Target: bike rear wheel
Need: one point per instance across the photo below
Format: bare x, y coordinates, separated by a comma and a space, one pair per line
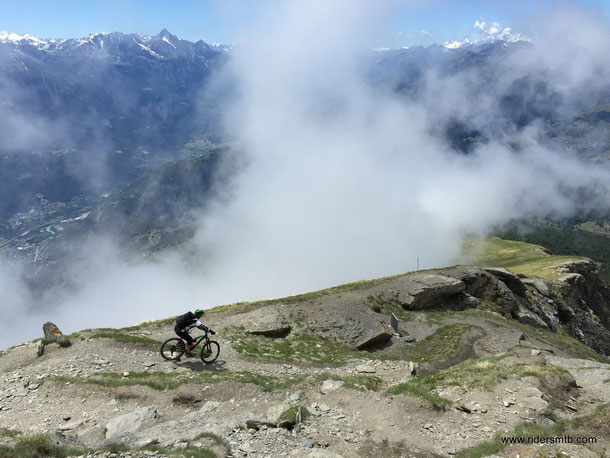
172, 349
210, 351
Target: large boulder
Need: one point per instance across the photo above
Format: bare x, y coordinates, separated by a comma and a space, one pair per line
511, 280
125, 427
582, 301
429, 290
52, 333
539, 284
266, 321
526, 316
505, 297
353, 324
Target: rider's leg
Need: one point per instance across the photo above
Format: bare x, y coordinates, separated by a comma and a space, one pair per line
186, 336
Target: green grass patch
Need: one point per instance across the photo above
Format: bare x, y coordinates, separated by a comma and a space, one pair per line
561, 339
291, 413
39, 446
441, 317
595, 227
315, 349
212, 437
422, 392
126, 338
169, 381
599, 410
481, 374
190, 451
518, 257
487, 448
375, 303
36, 446
521, 432
381, 304
529, 430
435, 347
5, 432
590, 239
116, 448
295, 347
370, 382
437, 317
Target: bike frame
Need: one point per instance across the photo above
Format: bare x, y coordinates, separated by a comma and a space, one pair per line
199, 339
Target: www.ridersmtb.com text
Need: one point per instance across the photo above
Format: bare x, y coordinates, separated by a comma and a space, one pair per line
549, 440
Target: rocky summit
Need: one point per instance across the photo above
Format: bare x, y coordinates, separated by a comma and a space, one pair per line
481, 356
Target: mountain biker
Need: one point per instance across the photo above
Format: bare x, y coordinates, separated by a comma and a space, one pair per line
188, 321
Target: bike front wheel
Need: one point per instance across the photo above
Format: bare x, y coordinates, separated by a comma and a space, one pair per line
172, 349
210, 351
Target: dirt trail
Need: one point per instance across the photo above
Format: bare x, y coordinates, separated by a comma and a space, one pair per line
347, 421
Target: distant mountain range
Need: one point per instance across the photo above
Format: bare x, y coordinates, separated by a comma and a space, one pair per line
161, 46
119, 103
92, 124
111, 102
123, 90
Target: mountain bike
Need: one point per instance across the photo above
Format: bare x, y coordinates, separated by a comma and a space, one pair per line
173, 349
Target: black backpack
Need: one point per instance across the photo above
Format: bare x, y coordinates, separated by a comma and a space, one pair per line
183, 320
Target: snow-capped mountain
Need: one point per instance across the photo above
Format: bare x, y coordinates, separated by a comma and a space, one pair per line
25, 40
161, 46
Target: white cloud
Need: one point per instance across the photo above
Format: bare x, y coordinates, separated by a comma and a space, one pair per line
495, 31
489, 32
344, 183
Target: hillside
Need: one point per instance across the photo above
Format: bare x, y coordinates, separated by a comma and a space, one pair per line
586, 238
481, 353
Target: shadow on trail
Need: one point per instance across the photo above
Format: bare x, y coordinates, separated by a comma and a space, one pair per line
200, 366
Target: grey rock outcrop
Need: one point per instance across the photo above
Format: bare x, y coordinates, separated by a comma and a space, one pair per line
125, 427
538, 284
578, 302
526, 316
354, 325
583, 304
265, 322
512, 281
331, 385
428, 290
52, 333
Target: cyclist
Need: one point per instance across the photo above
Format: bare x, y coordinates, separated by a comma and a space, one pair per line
186, 322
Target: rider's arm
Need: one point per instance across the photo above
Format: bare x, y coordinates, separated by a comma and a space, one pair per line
200, 325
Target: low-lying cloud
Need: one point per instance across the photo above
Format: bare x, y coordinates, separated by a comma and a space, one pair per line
495, 31
344, 182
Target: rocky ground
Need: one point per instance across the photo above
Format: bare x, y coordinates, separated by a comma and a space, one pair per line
452, 378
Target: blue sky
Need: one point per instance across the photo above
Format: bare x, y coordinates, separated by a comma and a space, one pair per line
414, 22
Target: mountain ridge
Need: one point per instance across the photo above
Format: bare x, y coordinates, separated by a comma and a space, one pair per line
100, 40
451, 368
